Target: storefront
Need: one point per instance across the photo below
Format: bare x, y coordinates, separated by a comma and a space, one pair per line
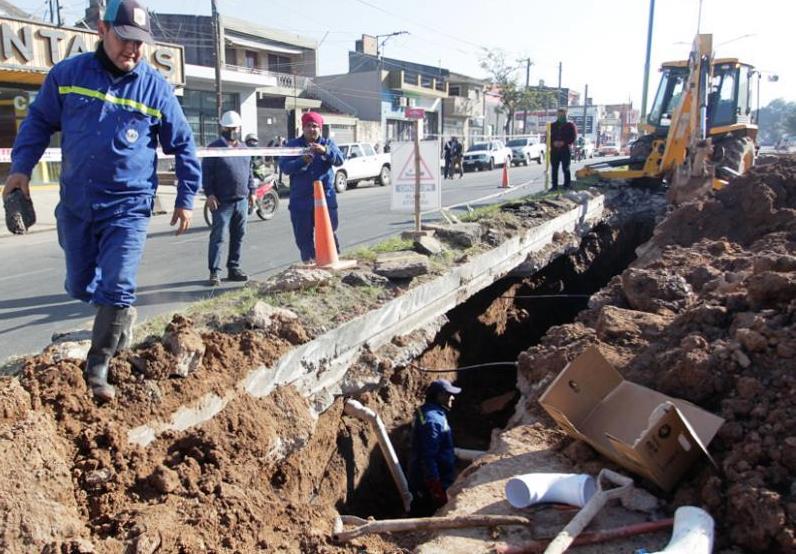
28, 49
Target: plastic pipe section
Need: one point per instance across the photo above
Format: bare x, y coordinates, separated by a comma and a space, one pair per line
692, 533
356, 409
563, 488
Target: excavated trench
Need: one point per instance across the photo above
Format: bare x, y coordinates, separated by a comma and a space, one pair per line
495, 325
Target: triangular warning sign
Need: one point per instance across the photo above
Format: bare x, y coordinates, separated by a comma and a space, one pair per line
408, 171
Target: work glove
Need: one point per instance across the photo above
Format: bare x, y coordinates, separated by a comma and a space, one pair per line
437, 491
20, 215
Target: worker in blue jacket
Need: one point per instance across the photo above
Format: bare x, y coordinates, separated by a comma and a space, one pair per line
315, 165
113, 111
433, 462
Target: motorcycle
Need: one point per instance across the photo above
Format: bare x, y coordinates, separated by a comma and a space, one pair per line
266, 200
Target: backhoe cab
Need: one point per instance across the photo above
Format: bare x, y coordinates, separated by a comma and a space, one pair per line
724, 88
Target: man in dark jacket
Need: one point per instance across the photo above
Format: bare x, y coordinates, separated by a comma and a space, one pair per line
229, 186
315, 165
562, 136
433, 462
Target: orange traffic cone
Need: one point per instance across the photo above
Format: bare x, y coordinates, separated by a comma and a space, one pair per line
325, 248
505, 183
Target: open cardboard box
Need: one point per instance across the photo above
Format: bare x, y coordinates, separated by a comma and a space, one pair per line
643, 430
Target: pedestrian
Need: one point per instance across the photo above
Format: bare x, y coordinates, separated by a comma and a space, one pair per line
113, 110
562, 136
433, 462
315, 164
229, 186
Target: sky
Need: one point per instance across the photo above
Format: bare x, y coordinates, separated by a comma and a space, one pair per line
598, 42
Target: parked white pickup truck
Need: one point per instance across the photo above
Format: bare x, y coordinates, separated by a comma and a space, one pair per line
362, 163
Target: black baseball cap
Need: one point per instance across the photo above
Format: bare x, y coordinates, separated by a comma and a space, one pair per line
442, 385
129, 19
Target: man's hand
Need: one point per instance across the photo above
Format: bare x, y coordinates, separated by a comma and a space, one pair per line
17, 181
183, 216
316, 148
437, 491
212, 203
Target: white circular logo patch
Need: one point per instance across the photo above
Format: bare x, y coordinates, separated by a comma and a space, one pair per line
131, 135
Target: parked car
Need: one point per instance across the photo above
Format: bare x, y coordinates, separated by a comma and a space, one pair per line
609, 150
362, 163
486, 155
525, 149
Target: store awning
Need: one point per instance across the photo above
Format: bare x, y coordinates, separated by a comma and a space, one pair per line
258, 45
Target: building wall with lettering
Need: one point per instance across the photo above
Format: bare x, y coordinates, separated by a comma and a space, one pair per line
29, 49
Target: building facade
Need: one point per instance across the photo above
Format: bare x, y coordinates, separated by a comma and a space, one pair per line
265, 74
379, 89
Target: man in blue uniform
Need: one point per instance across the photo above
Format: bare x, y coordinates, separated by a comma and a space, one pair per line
315, 165
113, 110
433, 462
229, 186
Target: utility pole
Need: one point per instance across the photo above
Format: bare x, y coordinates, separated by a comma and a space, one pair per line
645, 88
558, 92
219, 52
585, 99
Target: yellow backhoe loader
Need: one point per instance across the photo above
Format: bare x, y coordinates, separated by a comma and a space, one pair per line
700, 122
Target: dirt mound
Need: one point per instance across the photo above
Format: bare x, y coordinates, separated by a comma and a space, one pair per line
712, 320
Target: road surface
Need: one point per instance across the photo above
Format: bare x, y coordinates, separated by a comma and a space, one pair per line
33, 304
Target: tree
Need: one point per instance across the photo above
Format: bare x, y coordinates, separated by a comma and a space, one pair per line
513, 97
776, 120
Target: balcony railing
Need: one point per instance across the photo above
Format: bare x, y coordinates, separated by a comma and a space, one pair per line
283, 80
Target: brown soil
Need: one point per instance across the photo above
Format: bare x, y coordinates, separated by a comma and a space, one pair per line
708, 314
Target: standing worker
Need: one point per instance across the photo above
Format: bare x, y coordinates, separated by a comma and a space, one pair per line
229, 187
562, 136
433, 462
315, 165
113, 110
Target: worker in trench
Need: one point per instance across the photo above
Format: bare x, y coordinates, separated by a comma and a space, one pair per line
433, 461
113, 110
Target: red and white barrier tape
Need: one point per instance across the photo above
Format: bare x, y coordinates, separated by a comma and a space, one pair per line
54, 154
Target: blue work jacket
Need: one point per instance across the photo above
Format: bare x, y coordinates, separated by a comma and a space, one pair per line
303, 174
110, 128
432, 448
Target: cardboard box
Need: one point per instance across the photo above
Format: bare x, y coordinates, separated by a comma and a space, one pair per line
645, 431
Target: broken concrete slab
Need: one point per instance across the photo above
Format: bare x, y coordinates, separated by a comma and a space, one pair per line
298, 279
364, 279
428, 245
464, 235
263, 315
187, 346
401, 265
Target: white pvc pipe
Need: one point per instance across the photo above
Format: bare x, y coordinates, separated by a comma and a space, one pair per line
692, 533
356, 409
564, 488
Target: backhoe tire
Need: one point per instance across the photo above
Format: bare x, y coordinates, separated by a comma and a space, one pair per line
734, 153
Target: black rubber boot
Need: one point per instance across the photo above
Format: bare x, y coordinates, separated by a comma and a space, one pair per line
110, 324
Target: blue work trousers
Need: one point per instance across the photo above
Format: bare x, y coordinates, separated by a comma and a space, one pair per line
103, 250
303, 221
232, 215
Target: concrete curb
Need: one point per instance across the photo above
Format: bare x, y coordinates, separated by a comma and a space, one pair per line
318, 367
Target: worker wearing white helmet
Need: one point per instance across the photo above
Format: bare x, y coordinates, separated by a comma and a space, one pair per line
229, 186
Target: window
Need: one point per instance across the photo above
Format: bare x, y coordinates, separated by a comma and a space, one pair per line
250, 59
279, 64
369, 151
200, 111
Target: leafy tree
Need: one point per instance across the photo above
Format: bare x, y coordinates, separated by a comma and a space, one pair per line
513, 97
776, 120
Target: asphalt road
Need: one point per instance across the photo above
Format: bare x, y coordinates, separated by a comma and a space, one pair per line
33, 304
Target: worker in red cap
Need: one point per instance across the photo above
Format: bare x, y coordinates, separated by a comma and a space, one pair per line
321, 154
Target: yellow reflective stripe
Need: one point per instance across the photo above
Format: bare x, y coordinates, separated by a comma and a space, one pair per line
107, 97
